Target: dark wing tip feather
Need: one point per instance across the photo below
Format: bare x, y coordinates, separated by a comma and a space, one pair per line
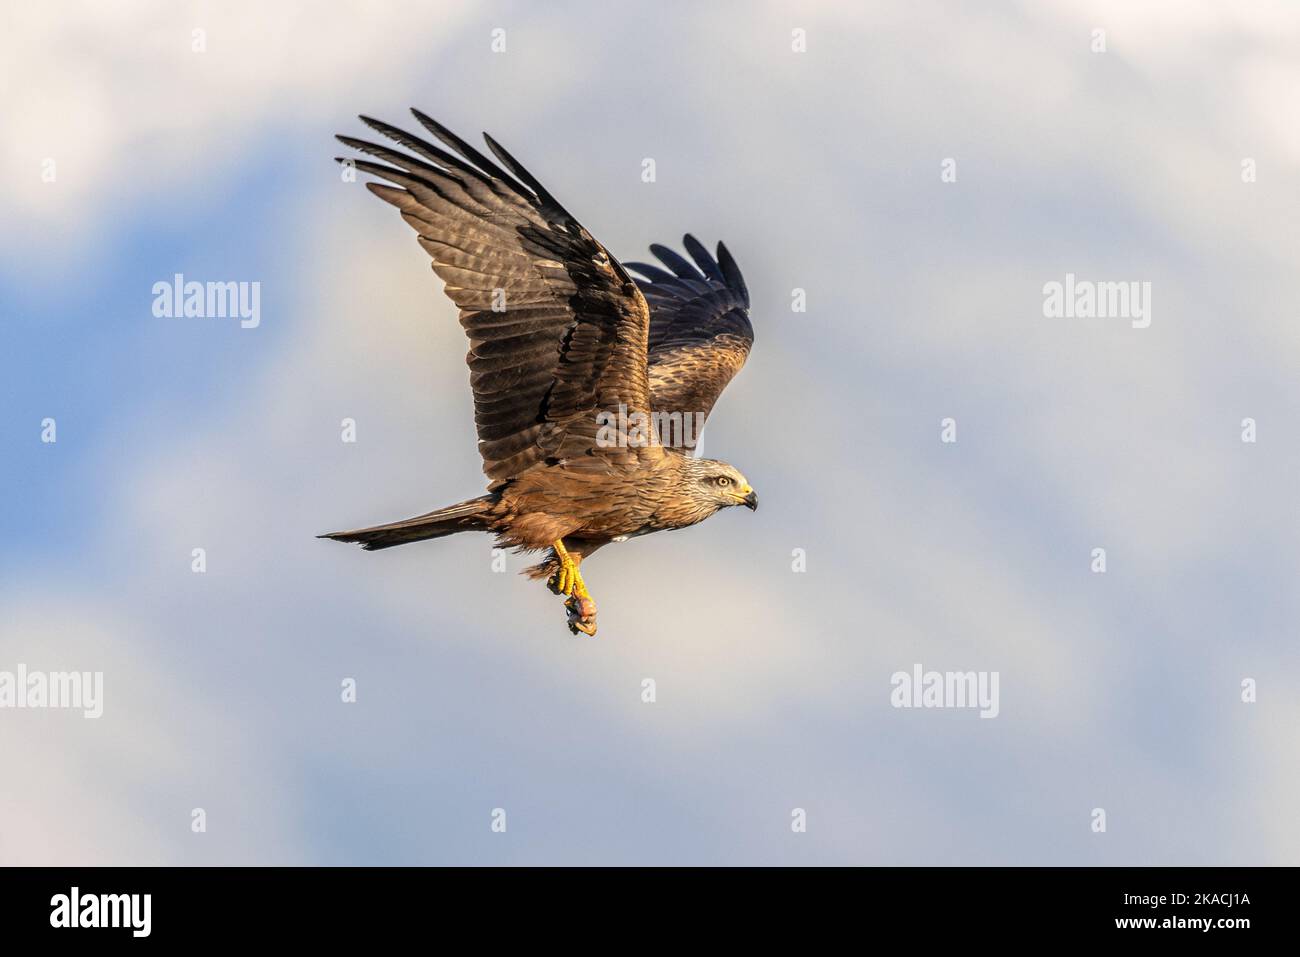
723, 270
467, 151
365, 146
512, 164
674, 261
734, 280
652, 273
702, 258
463, 158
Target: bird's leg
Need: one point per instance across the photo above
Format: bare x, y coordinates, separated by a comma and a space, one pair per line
561, 583
568, 581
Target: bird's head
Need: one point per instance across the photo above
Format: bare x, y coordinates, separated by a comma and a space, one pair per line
720, 485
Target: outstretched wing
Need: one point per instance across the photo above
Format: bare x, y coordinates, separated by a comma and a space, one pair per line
558, 329
699, 326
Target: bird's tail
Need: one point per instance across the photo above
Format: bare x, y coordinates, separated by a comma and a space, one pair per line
471, 516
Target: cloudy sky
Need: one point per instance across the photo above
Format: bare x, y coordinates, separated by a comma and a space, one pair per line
136, 149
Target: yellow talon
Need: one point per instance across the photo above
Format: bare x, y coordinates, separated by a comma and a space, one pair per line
568, 581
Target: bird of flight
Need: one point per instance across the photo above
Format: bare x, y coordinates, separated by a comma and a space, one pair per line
570, 355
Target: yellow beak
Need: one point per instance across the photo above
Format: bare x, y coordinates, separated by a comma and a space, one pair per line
748, 498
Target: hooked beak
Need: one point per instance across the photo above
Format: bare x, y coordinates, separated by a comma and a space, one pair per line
750, 501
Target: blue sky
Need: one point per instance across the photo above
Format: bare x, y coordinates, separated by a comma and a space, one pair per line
821, 171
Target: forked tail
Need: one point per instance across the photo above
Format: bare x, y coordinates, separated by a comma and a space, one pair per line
471, 516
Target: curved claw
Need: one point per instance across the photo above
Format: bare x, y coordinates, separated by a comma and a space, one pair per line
582, 616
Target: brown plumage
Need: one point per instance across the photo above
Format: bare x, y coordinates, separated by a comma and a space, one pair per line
571, 358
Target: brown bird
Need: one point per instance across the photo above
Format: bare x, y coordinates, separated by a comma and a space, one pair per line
590, 385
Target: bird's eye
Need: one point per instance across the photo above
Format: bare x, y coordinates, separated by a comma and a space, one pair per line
723, 481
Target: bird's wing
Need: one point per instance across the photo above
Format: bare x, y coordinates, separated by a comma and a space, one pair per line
558, 329
700, 333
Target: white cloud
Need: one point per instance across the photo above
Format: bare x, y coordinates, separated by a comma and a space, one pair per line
120, 789
118, 97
